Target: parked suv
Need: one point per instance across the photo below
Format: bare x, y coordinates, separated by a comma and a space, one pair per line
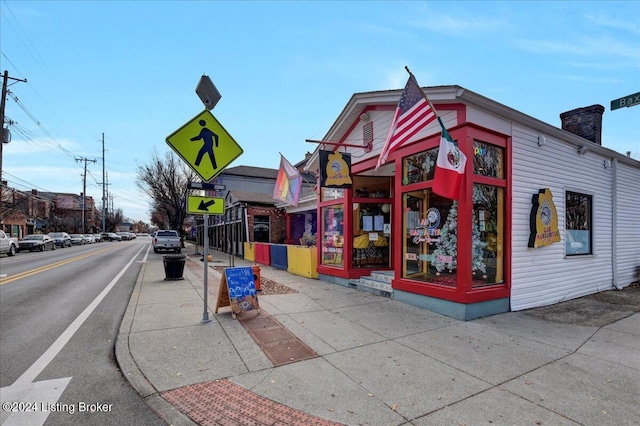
61, 239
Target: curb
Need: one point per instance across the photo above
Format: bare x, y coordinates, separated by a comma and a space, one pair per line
132, 373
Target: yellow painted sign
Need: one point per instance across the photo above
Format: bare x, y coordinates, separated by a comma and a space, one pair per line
204, 145
205, 205
543, 220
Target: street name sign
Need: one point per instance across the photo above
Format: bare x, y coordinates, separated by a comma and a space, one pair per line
626, 101
206, 186
205, 205
204, 145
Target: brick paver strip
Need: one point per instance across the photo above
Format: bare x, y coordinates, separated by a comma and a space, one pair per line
278, 344
218, 402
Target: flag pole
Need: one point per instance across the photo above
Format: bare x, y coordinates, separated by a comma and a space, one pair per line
422, 91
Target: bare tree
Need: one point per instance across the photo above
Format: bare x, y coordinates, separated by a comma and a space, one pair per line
13, 203
165, 181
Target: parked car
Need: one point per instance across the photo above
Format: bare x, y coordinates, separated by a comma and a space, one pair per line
88, 238
7, 244
98, 238
33, 242
111, 236
77, 239
124, 235
62, 239
167, 240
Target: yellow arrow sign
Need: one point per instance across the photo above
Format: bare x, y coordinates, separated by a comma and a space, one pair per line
204, 145
205, 205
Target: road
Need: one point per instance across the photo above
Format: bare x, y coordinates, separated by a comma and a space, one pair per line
60, 313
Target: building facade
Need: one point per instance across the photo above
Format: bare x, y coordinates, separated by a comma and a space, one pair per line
545, 214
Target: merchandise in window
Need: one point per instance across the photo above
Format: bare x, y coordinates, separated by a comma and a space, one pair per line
488, 160
328, 194
488, 235
578, 224
370, 244
419, 167
333, 236
430, 241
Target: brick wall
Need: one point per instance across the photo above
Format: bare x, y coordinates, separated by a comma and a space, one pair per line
585, 122
277, 220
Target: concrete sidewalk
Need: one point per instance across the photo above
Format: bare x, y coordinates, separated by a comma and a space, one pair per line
380, 362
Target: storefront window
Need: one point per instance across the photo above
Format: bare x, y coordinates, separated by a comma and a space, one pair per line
333, 236
329, 194
430, 242
488, 160
578, 224
371, 229
487, 235
419, 167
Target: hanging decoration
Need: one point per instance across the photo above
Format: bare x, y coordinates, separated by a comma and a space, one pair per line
446, 252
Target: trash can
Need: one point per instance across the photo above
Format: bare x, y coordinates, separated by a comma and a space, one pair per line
173, 266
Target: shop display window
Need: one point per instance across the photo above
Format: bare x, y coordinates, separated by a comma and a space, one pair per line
578, 224
430, 240
419, 167
371, 222
371, 238
488, 160
328, 194
487, 235
332, 244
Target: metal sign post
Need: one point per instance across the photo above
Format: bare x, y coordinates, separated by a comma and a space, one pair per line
205, 315
206, 162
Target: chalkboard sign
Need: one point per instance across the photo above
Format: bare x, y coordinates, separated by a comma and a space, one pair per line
238, 290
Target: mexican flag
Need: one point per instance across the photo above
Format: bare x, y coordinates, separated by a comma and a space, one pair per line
449, 167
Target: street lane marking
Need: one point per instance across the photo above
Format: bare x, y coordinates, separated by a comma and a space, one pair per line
48, 392
32, 372
40, 397
30, 272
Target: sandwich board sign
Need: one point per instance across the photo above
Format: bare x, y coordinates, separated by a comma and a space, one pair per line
204, 145
238, 290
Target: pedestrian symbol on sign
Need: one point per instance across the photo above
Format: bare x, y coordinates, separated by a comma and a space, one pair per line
204, 145
208, 137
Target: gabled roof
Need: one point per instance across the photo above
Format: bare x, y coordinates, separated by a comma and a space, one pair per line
250, 197
264, 173
258, 172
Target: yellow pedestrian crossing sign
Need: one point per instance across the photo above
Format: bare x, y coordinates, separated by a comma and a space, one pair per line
205, 205
204, 145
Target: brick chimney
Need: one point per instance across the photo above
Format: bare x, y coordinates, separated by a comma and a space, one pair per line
585, 122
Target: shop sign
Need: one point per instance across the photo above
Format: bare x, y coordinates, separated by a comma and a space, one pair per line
543, 220
335, 169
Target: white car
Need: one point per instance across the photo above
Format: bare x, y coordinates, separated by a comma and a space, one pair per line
77, 239
88, 238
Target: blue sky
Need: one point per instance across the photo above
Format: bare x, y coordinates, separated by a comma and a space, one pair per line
285, 70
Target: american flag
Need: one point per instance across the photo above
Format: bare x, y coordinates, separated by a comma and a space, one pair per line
413, 113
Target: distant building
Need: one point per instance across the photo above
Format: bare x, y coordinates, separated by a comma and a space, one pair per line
29, 212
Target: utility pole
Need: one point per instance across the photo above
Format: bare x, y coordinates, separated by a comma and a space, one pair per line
5, 79
104, 191
84, 188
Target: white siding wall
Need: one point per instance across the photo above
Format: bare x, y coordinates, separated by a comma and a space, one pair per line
381, 123
628, 225
543, 276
